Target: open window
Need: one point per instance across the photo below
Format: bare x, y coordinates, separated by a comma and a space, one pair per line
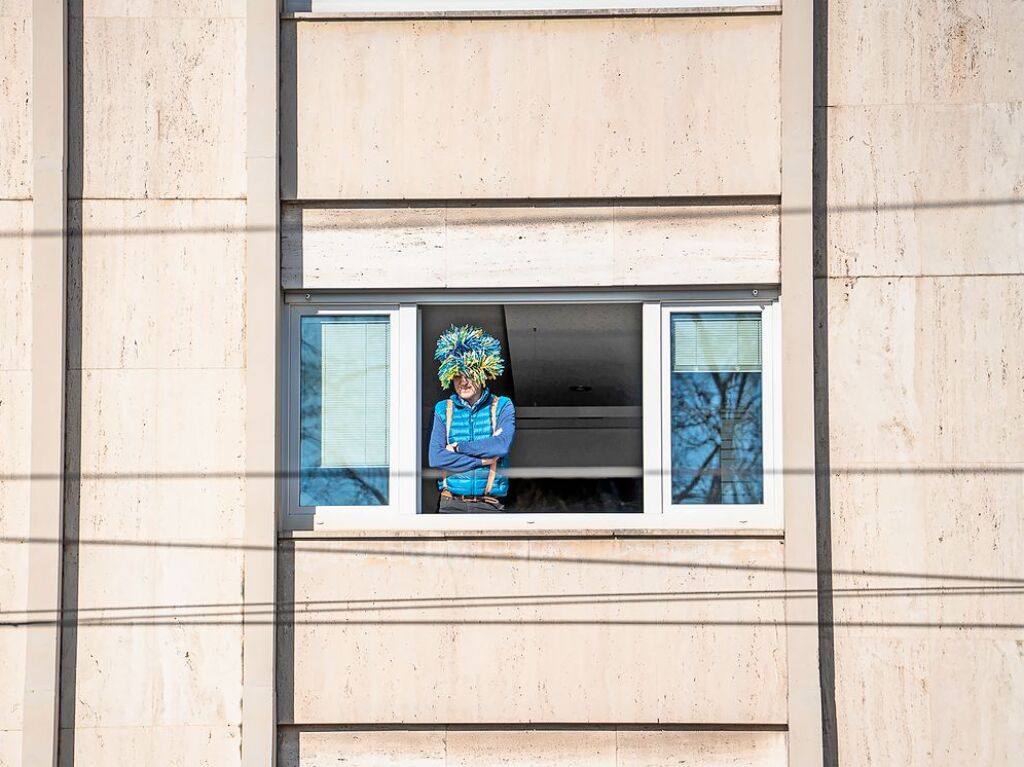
630, 410
574, 372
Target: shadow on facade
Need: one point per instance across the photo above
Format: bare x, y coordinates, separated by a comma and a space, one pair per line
826, 608
73, 384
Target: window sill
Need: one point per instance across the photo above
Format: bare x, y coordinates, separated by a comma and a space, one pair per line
699, 10
470, 527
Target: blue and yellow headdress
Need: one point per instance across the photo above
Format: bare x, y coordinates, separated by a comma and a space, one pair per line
469, 351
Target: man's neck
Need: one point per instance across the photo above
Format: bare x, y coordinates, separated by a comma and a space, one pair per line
476, 398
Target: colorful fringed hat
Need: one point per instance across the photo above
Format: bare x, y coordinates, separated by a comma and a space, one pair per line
469, 351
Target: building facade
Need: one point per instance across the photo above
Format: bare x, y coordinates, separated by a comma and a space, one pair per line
217, 214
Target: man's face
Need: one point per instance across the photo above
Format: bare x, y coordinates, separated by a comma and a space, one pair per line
467, 388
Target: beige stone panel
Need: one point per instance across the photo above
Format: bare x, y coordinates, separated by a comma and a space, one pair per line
883, 66
983, 680
162, 284
355, 747
563, 746
925, 51
161, 454
883, 706
490, 247
163, 9
926, 372
928, 554
538, 246
15, 285
531, 748
533, 631
449, 109
668, 748
199, 746
164, 107
696, 245
157, 639
926, 190
10, 747
363, 247
15, 99
923, 702
15, 398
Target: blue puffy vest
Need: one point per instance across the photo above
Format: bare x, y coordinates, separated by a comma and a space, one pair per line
469, 423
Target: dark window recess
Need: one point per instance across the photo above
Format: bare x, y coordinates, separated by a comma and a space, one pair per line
574, 372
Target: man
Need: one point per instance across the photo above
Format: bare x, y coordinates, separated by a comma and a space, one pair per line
473, 429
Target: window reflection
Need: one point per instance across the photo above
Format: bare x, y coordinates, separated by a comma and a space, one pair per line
716, 438
716, 390
343, 411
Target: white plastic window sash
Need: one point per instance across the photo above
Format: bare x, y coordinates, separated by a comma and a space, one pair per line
402, 449
767, 514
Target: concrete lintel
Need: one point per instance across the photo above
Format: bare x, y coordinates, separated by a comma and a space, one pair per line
263, 307
803, 682
49, 207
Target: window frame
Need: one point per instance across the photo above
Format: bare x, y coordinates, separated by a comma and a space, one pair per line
398, 491
730, 515
404, 509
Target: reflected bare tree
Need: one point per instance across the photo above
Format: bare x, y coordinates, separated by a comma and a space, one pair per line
716, 438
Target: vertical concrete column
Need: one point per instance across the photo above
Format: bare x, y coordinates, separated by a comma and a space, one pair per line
804, 686
262, 321
49, 212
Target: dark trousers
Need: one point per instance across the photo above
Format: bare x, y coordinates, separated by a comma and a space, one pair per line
464, 504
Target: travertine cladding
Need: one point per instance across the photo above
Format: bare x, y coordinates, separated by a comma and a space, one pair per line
161, 454
926, 422
925, 52
926, 189
15, 99
163, 99
15, 433
519, 246
942, 361
153, 745
15, 358
926, 298
557, 747
162, 283
156, 395
15, 285
532, 630
455, 109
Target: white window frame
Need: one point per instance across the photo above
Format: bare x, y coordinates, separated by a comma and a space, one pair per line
404, 510
768, 512
401, 485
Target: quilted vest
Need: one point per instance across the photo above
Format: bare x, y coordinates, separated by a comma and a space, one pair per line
469, 423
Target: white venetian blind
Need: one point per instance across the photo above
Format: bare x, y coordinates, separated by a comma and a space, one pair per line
355, 378
718, 342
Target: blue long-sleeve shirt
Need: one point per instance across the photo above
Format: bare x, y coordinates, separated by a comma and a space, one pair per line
496, 446
471, 452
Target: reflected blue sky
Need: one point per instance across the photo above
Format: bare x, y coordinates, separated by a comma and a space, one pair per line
716, 438
318, 486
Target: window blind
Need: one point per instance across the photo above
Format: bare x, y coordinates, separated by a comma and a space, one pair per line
355, 380
716, 342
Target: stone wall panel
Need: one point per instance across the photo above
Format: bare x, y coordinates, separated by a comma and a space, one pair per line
502, 108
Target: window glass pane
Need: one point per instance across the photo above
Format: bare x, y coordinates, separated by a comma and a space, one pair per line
716, 387
344, 411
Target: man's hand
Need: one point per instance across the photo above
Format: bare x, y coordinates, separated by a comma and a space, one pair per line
452, 447
488, 461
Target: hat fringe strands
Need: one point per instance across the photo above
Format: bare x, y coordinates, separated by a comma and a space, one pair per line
469, 351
